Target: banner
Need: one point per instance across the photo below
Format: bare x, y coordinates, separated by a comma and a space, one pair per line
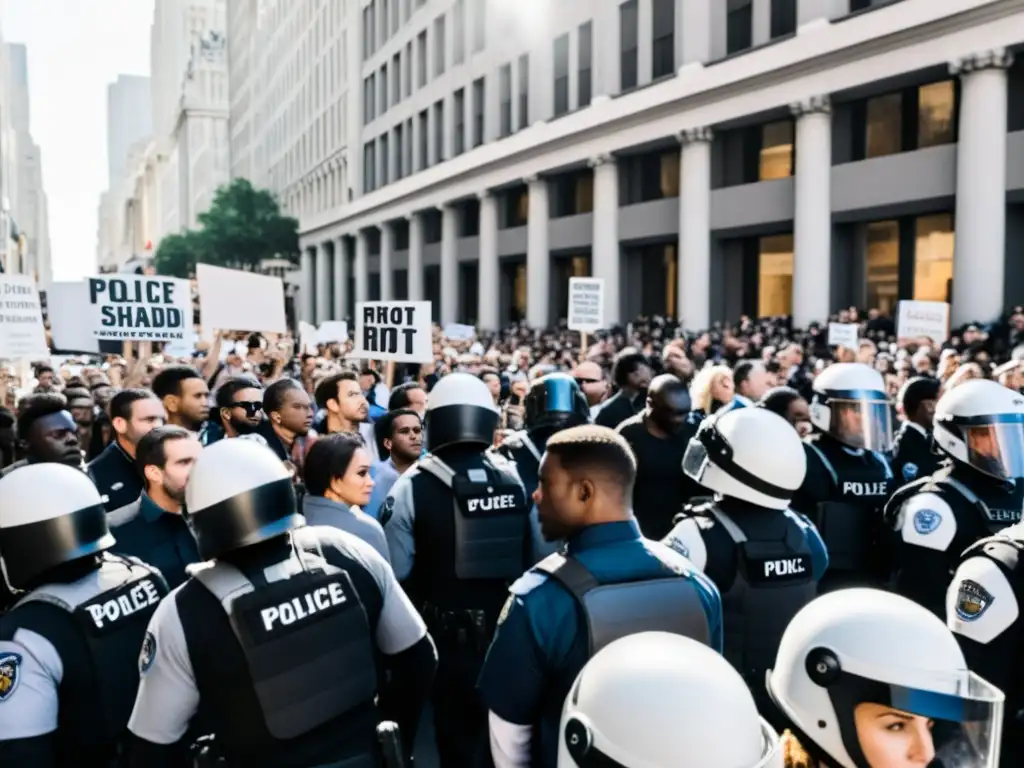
138, 308
22, 335
393, 330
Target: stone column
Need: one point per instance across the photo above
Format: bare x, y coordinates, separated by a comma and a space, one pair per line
387, 253
340, 279
979, 261
812, 226
538, 259
306, 298
415, 257
488, 286
361, 267
323, 284
605, 259
449, 309
693, 267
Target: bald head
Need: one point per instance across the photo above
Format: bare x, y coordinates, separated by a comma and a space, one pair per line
668, 402
588, 370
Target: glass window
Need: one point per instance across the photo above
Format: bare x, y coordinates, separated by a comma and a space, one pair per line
439, 131
884, 125
439, 46
524, 91
669, 261
783, 18
424, 139
584, 196
396, 79
399, 153
421, 58
561, 60
519, 294
478, 112
776, 160
384, 21
935, 114
382, 80
369, 161
460, 121
669, 174
479, 25
739, 26
663, 51
775, 276
384, 157
585, 58
882, 266
408, 70
505, 88
628, 44
933, 257
459, 32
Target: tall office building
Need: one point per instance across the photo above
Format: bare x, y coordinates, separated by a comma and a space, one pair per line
129, 120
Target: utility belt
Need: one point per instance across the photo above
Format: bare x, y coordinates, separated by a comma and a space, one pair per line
465, 628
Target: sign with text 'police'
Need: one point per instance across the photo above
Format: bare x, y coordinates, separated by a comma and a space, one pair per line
393, 330
22, 336
586, 304
137, 308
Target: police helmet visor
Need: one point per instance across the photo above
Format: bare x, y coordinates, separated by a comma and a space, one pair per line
996, 447
861, 419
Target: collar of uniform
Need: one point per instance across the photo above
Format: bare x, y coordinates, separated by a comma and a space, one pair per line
916, 427
323, 502
603, 533
149, 509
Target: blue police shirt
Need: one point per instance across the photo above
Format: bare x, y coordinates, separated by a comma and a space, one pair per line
156, 537
539, 647
384, 476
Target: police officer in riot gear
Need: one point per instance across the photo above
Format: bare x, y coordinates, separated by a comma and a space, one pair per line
608, 582
980, 425
983, 608
280, 644
458, 529
764, 558
554, 402
68, 646
848, 478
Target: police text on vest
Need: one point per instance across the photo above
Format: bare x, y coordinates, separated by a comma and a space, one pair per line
788, 567
301, 607
138, 598
492, 503
865, 489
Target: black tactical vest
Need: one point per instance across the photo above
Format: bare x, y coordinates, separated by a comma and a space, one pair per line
850, 521
492, 520
307, 643
611, 611
773, 580
112, 607
944, 484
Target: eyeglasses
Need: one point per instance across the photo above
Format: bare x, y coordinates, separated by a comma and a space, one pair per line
251, 407
584, 382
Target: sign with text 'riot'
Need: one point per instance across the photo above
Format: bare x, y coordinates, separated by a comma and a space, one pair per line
22, 336
393, 330
137, 308
586, 304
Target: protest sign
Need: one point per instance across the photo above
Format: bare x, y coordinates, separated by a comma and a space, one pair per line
843, 335
393, 330
459, 332
586, 304
138, 308
235, 300
332, 332
22, 336
923, 319
307, 338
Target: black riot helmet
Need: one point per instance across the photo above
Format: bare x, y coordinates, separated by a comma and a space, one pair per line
460, 409
555, 402
238, 494
50, 514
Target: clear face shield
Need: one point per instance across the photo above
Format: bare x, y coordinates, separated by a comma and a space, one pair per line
995, 444
861, 419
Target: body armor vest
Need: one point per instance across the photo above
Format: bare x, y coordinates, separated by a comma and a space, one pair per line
112, 607
492, 520
307, 643
942, 483
849, 523
773, 580
611, 611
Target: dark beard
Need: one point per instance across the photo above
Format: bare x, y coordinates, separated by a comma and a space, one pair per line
242, 427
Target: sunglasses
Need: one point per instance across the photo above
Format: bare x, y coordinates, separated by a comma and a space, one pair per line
583, 382
251, 407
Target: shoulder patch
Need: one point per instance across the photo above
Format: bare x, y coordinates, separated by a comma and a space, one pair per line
980, 602
148, 653
387, 509
10, 674
926, 520
686, 539
910, 471
972, 600
528, 582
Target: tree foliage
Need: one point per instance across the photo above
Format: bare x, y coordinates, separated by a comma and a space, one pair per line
243, 227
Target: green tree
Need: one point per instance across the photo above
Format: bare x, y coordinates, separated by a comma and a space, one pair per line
244, 226
178, 254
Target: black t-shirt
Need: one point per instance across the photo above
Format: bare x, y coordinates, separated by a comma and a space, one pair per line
661, 488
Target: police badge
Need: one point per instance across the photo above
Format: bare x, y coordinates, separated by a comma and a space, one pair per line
972, 600
148, 653
10, 674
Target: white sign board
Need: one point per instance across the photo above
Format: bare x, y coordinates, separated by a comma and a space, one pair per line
307, 338
586, 304
234, 300
22, 336
332, 332
138, 308
459, 332
393, 330
843, 335
923, 319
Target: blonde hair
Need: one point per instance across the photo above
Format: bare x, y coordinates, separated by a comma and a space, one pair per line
700, 389
795, 756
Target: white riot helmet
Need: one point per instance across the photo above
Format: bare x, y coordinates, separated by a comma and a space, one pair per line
656, 699
850, 404
868, 678
749, 454
460, 409
49, 514
238, 494
981, 423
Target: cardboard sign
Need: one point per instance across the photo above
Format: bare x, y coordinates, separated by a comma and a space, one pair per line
138, 308
332, 332
459, 332
22, 336
586, 304
843, 335
928, 319
235, 300
393, 330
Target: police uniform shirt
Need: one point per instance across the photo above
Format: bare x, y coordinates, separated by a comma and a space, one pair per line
155, 536
116, 478
62, 702
191, 653
912, 455
540, 645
